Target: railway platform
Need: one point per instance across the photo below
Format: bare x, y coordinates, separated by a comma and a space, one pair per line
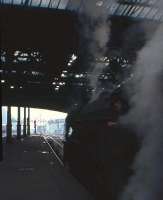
30, 171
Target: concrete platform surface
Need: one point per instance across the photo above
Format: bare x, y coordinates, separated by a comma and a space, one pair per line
30, 172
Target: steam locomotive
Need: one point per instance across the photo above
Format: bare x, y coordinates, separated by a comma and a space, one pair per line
99, 150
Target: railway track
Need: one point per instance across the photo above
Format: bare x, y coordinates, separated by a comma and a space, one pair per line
56, 146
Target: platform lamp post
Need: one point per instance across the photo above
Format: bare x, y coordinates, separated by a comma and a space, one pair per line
9, 126
28, 122
24, 125
18, 125
1, 140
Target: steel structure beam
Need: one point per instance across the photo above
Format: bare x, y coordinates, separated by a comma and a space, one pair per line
124, 5
9, 126
137, 2
28, 122
35, 127
18, 124
24, 125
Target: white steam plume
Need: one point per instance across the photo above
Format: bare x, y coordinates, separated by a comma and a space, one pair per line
147, 115
100, 38
98, 30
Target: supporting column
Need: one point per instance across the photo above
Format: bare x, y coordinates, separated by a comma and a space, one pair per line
9, 126
35, 126
28, 122
18, 125
24, 125
1, 141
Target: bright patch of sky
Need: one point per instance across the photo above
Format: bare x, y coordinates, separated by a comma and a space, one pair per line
35, 114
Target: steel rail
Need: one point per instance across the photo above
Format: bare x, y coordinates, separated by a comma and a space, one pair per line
55, 141
52, 150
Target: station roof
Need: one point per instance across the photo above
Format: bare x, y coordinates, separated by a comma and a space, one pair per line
131, 8
41, 65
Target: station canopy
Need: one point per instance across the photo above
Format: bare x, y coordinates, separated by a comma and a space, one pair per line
131, 8
44, 66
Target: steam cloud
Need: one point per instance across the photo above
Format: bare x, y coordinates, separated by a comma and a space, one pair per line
147, 104
98, 30
98, 47
147, 116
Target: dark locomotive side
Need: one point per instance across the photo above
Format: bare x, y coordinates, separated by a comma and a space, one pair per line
99, 150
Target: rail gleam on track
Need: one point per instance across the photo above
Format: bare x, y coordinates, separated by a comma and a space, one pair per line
56, 146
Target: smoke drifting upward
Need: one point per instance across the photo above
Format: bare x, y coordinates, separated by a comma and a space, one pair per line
98, 48
98, 31
147, 116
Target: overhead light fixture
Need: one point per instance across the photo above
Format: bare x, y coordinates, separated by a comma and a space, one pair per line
63, 75
99, 3
12, 87
77, 76
62, 83
2, 81
16, 53
57, 88
74, 57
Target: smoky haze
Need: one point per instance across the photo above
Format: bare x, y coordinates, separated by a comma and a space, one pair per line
146, 115
97, 29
